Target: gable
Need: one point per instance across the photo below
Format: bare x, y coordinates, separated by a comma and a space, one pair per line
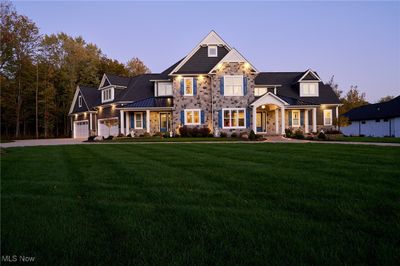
309, 75
200, 62
233, 56
75, 103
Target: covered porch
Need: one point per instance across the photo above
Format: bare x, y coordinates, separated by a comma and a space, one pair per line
272, 115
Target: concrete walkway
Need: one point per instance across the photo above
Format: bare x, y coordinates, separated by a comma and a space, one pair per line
273, 139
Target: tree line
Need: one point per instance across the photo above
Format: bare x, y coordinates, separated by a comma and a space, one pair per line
39, 74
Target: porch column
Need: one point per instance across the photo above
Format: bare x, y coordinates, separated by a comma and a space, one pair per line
314, 119
127, 123
121, 114
255, 119
337, 117
283, 119
148, 121
306, 121
90, 123
276, 121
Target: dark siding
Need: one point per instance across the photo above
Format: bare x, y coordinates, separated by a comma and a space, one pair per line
78, 109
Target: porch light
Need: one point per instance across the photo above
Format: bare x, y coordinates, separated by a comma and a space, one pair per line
200, 77
113, 106
76, 116
84, 114
323, 106
219, 66
246, 65
179, 77
263, 106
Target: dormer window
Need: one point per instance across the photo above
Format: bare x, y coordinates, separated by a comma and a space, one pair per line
212, 51
107, 95
309, 89
80, 101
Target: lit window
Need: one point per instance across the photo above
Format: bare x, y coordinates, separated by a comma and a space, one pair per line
295, 118
138, 120
164, 89
260, 91
308, 89
234, 118
107, 95
327, 117
192, 117
188, 86
212, 51
233, 85
80, 101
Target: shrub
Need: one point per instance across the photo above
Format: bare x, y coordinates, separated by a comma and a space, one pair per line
184, 131
244, 135
259, 137
333, 131
321, 136
223, 135
158, 134
309, 137
252, 135
146, 134
91, 138
166, 135
195, 132
288, 132
234, 135
108, 138
298, 134
205, 132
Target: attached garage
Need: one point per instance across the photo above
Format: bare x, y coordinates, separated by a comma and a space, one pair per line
108, 126
81, 129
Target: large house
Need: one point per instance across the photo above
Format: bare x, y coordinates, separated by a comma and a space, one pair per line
375, 120
213, 86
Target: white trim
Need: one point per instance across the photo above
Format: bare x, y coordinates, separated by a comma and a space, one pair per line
312, 73
80, 100
235, 57
237, 118
314, 119
122, 122
212, 47
241, 84
306, 130
77, 91
77, 121
103, 80
301, 89
263, 100
330, 112
299, 118
184, 87
192, 110
112, 93
103, 119
134, 120
148, 121
211, 38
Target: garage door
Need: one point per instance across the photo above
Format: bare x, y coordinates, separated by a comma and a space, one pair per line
108, 127
81, 129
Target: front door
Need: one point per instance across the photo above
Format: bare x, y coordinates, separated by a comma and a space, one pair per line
261, 119
165, 122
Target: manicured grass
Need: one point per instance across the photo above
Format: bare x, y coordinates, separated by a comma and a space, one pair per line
157, 139
219, 204
372, 139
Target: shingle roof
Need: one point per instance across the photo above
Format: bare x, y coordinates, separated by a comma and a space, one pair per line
200, 63
374, 111
152, 102
139, 87
290, 88
118, 80
92, 96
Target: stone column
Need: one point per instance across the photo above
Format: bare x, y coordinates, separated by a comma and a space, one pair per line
127, 123
121, 122
148, 121
283, 120
276, 121
255, 119
90, 123
306, 121
314, 119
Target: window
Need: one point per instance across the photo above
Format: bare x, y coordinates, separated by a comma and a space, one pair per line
107, 95
260, 91
234, 118
296, 118
80, 101
192, 117
188, 86
233, 85
164, 89
212, 51
327, 117
308, 89
138, 120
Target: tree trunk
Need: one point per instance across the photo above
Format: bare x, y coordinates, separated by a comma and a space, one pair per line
19, 104
36, 100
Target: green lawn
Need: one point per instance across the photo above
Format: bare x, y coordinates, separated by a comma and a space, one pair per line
372, 139
220, 204
157, 139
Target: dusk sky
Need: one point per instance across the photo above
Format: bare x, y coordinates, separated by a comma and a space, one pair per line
358, 42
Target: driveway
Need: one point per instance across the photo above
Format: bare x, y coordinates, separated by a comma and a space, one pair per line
41, 142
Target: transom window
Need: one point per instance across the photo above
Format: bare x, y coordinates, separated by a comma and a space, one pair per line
188, 82
164, 89
260, 91
80, 101
296, 118
233, 85
234, 118
212, 51
328, 117
192, 117
308, 89
138, 120
107, 95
